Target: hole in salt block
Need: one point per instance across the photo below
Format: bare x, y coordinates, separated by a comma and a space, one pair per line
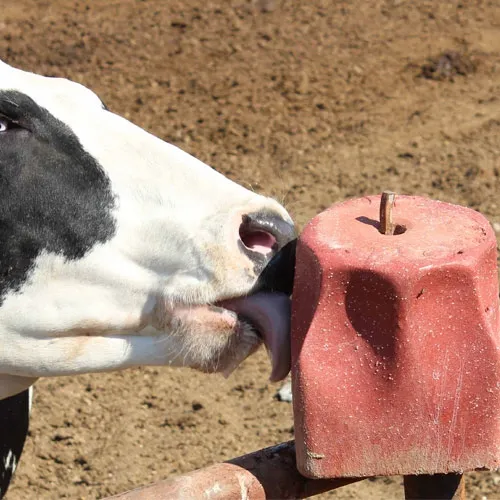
399, 228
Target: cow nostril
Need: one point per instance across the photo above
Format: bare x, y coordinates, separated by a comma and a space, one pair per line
257, 240
263, 234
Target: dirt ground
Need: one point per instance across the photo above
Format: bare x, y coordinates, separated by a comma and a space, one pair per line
312, 102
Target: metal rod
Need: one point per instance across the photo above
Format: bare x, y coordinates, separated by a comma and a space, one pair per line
435, 487
264, 474
386, 205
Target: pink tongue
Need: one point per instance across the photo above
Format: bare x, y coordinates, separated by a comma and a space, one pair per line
270, 313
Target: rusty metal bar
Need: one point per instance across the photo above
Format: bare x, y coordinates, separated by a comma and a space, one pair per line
435, 487
386, 206
265, 474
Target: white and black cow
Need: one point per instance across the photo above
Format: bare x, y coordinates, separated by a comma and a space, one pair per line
118, 249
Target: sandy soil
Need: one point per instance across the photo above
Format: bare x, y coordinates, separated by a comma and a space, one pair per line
312, 102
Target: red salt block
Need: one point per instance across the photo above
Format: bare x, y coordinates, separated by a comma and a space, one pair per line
395, 341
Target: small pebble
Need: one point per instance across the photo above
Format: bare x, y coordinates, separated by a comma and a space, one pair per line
285, 393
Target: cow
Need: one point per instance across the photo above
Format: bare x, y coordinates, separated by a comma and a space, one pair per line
118, 249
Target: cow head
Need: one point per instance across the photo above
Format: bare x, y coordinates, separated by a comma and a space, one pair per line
118, 249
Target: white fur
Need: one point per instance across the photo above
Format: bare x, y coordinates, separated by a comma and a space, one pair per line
175, 248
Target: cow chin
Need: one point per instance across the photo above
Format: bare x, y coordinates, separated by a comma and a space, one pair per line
207, 338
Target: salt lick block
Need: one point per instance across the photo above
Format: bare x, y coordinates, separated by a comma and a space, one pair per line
395, 342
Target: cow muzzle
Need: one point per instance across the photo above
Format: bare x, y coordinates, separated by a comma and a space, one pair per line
262, 236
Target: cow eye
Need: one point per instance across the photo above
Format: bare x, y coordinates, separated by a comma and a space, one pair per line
4, 124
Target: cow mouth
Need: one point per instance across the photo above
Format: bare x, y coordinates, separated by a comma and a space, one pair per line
269, 315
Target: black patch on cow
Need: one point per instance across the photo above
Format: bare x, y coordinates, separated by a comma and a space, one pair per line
14, 420
54, 196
